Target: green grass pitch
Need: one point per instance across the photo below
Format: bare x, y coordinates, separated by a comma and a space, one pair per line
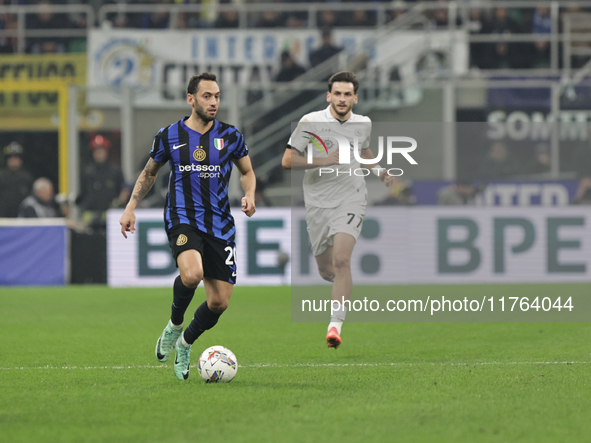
77, 365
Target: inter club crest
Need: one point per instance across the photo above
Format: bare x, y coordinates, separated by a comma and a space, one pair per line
218, 143
199, 154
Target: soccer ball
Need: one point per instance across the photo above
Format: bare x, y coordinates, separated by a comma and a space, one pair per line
217, 364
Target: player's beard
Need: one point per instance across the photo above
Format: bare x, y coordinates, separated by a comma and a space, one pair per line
202, 114
341, 113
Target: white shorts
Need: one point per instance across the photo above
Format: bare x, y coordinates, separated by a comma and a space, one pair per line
324, 223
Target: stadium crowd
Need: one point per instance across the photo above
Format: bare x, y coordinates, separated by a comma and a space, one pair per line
499, 161
498, 55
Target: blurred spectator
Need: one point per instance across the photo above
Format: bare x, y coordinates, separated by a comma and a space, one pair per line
227, 19
360, 18
478, 51
498, 57
271, 19
101, 183
476, 21
540, 50
502, 23
293, 21
541, 160
399, 193
583, 195
297, 19
79, 19
41, 203
540, 55
541, 21
120, 19
156, 20
8, 44
328, 19
498, 162
582, 162
502, 55
15, 182
192, 20
290, 70
439, 18
462, 192
46, 19
326, 50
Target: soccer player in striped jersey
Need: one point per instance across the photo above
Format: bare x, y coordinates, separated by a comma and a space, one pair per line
201, 151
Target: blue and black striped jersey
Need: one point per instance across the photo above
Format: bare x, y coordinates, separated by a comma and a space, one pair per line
200, 166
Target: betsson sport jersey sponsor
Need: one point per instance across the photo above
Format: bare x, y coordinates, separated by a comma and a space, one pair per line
323, 189
200, 166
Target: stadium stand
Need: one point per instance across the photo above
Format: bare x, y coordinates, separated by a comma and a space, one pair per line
542, 40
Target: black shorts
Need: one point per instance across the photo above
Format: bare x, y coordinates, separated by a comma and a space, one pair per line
219, 261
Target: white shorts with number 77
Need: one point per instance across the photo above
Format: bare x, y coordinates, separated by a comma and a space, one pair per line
324, 223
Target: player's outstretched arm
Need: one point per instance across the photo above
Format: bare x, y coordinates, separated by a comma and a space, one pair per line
249, 184
286, 160
142, 186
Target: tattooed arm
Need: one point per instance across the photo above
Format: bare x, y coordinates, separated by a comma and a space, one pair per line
143, 184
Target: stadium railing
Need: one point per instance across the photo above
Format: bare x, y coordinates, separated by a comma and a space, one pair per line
439, 15
455, 14
248, 12
23, 12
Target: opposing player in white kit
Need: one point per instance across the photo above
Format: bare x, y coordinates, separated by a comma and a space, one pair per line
335, 201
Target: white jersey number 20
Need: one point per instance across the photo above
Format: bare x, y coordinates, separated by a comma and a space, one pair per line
231, 255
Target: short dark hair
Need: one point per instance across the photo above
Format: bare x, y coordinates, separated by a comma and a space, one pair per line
285, 55
344, 76
194, 82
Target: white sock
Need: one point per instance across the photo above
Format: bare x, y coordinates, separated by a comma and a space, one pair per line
175, 326
184, 343
335, 324
338, 316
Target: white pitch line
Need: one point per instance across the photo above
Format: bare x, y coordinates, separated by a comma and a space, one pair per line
304, 365
85, 367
